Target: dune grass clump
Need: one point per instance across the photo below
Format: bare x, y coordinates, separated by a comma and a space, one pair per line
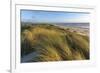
53, 44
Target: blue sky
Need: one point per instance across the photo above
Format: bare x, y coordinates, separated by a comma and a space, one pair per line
53, 17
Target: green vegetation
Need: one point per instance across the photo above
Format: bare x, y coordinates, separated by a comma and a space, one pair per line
53, 43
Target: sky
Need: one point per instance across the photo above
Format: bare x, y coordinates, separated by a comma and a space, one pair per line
37, 16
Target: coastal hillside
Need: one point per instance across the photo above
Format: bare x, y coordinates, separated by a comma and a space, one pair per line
48, 42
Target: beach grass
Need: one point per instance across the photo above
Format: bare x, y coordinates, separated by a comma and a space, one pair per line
53, 43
